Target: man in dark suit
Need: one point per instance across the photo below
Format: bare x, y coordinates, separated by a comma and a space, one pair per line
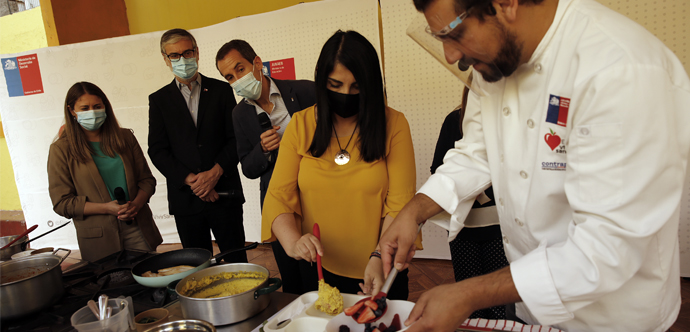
191, 141
258, 140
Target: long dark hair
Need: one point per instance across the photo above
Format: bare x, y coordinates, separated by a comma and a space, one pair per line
356, 53
112, 141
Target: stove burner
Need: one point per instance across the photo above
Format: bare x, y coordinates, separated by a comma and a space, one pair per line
111, 275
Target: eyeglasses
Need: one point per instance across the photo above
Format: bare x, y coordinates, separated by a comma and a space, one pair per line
174, 57
442, 35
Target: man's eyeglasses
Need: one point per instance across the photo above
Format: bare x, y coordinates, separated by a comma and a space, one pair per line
174, 57
443, 33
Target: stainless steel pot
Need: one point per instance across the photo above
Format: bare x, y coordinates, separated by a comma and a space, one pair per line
6, 254
229, 309
29, 284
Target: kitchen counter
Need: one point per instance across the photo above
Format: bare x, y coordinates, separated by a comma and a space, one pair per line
278, 301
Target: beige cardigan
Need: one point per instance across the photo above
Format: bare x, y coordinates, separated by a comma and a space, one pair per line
72, 184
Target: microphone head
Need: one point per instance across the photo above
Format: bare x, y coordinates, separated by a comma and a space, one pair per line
264, 121
120, 195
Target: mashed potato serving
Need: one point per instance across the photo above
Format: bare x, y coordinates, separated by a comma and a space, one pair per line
223, 284
330, 301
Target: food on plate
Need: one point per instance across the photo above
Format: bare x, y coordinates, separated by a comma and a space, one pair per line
168, 271
223, 284
330, 301
365, 311
368, 327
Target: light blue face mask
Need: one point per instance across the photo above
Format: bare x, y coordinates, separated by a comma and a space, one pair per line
92, 119
185, 68
248, 86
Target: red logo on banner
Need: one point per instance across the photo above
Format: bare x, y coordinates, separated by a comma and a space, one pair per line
30, 74
283, 69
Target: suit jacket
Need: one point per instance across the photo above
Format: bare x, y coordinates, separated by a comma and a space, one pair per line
177, 147
71, 184
297, 95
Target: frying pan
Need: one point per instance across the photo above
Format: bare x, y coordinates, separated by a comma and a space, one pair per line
198, 257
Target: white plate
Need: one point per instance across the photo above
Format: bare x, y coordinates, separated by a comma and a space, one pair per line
301, 311
402, 308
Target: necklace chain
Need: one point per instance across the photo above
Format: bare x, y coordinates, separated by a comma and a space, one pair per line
348, 141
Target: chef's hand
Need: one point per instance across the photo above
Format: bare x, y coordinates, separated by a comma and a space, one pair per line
442, 308
206, 181
397, 242
373, 277
306, 248
211, 197
270, 140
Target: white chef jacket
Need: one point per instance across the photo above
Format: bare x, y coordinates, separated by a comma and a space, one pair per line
586, 146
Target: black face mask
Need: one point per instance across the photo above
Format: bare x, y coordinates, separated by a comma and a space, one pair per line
343, 105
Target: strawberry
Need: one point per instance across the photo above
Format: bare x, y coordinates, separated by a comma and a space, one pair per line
366, 315
371, 304
353, 309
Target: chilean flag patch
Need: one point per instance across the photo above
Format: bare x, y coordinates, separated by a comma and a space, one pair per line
558, 110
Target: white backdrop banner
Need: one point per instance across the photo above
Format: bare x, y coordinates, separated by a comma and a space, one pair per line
130, 68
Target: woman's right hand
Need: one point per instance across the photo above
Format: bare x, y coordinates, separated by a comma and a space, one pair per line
306, 248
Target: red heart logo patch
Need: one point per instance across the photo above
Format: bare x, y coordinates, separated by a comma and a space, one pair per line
552, 139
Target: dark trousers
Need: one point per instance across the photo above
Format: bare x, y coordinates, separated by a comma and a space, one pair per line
225, 220
289, 270
310, 282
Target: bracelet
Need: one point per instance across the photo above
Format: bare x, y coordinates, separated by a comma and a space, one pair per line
376, 253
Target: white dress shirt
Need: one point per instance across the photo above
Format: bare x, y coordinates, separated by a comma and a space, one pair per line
586, 146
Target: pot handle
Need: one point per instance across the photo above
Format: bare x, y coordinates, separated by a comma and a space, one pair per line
62, 257
220, 256
274, 284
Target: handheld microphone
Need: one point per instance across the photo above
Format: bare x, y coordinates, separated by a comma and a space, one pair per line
121, 199
264, 121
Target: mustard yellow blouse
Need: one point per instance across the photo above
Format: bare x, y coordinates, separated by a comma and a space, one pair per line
348, 202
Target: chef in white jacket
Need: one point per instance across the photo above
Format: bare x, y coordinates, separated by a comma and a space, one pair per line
582, 131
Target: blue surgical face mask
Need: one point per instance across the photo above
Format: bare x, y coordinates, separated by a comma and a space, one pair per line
92, 119
185, 68
248, 86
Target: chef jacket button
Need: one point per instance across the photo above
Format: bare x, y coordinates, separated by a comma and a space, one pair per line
523, 174
584, 131
505, 239
502, 157
537, 67
519, 222
500, 201
506, 111
530, 123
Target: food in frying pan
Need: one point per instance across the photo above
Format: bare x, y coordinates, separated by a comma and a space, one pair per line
223, 284
330, 301
168, 271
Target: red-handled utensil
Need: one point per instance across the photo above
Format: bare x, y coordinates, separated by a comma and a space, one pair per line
317, 232
20, 236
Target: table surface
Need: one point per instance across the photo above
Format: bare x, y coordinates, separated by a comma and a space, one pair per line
278, 301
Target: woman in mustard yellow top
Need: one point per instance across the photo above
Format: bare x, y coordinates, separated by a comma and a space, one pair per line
347, 164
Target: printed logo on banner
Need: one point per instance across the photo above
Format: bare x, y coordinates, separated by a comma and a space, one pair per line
22, 75
558, 110
280, 69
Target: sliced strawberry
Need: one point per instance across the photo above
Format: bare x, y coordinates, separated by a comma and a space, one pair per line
382, 327
376, 329
366, 315
353, 309
396, 322
371, 304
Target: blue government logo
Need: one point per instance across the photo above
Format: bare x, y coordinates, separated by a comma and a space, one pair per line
10, 65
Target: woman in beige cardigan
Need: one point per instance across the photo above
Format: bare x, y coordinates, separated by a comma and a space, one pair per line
91, 158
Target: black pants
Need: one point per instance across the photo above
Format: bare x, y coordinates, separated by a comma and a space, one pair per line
225, 220
289, 270
310, 282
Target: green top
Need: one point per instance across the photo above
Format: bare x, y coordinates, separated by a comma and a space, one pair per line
112, 170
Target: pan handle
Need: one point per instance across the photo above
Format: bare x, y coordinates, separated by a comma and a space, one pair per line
220, 256
274, 284
62, 258
44, 234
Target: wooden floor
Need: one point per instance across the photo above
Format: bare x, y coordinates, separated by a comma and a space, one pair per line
427, 273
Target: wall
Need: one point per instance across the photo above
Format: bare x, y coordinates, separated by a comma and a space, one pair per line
159, 15
79, 21
18, 32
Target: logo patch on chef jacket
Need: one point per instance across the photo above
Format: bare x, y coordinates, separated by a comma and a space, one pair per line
552, 166
558, 110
